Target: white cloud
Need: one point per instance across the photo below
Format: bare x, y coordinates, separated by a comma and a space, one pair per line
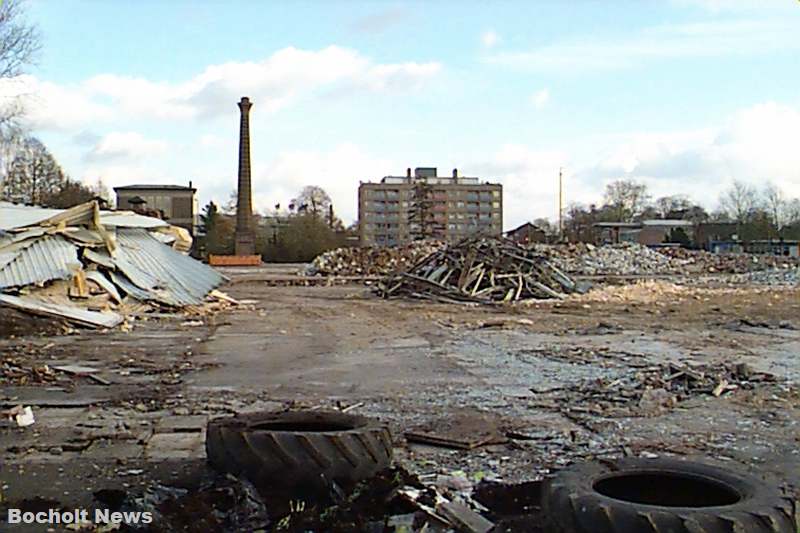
754, 145
490, 38
52, 106
210, 140
125, 145
273, 83
540, 98
338, 171
529, 178
702, 39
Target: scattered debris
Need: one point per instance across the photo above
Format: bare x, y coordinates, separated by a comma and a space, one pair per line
652, 389
23, 416
481, 270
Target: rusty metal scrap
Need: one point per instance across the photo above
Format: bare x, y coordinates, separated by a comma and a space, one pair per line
484, 270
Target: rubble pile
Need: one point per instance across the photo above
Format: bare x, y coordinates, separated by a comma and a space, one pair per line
633, 259
703, 261
776, 277
373, 260
482, 270
91, 268
626, 259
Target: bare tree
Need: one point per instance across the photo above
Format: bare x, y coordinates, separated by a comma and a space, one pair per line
34, 175
626, 199
739, 202
11, 141
668, 206
19, 44
313, 200
793, 212
775, 204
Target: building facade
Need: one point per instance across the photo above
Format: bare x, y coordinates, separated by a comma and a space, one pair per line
176, 203
400, 209
527, 233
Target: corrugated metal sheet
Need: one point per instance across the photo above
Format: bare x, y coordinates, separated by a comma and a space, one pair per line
104, 283
180, 278
126, 219
84, 316
19, 216
129, 288
47, 258
98, 256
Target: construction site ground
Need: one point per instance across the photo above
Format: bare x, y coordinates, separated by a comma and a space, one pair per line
504, 377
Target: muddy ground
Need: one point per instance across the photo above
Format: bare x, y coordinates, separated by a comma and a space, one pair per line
536, 386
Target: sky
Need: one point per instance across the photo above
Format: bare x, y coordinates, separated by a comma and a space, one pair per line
683, 95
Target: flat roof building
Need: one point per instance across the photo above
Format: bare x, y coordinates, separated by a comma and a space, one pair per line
400, 209
177, 203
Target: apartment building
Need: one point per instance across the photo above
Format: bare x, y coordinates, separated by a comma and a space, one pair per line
454, 207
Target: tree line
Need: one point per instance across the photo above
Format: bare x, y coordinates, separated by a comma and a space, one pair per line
306, 228
766, 213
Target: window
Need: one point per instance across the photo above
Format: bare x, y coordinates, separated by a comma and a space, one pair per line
496, 205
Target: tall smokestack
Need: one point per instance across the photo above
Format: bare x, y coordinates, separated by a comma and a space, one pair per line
245, 242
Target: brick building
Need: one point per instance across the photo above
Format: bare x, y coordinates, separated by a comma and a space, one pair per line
177, 203
456, 206
527, 234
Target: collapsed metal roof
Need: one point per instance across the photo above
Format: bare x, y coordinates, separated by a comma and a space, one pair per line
116, 252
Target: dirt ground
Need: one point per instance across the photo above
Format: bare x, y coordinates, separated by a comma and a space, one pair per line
544, 385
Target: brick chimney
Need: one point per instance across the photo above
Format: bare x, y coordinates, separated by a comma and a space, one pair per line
245, 241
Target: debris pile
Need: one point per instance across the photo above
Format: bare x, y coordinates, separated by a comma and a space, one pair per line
703, 261
626, 259
90, 268
776, 277
481, 270
373, 260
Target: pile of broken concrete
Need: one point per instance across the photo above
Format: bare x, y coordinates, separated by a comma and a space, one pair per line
372, 260
91, 267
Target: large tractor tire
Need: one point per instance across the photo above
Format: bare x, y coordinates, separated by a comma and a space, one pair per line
662, 496
298, 450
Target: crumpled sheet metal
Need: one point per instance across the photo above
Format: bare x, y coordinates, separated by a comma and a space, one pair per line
179, 279
44, 259
106, 319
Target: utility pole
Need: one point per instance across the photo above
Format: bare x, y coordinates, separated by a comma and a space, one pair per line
560, 204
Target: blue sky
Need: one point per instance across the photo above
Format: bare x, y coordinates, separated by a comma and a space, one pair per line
685, 95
